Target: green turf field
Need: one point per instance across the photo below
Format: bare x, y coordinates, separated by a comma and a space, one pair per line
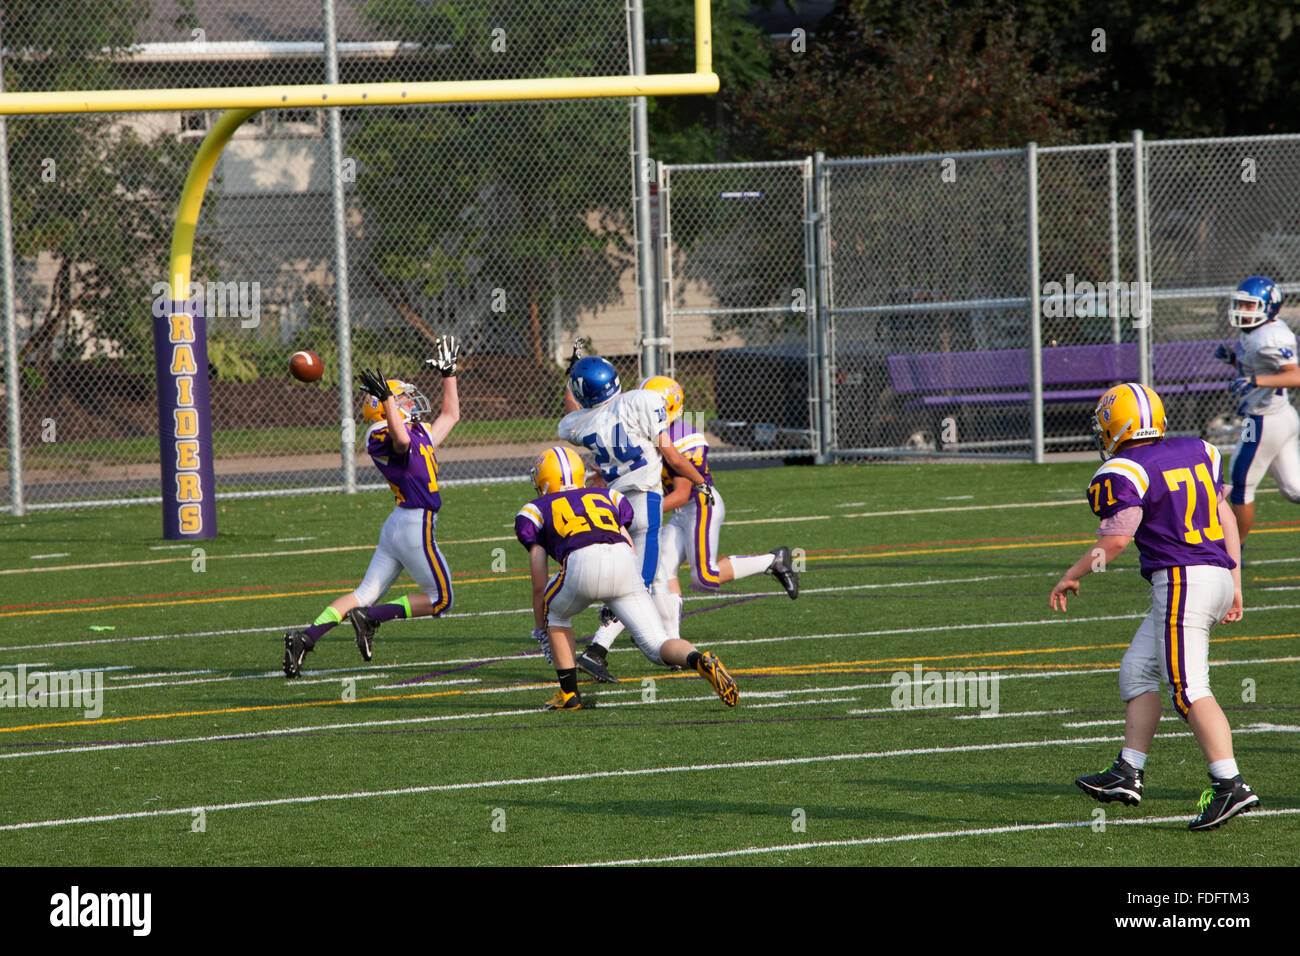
205, 754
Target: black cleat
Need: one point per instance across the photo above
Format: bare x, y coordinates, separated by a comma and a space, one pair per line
783, 570
1120, 781
365, 629
295, 649
607, 615
592, 663
1222, 801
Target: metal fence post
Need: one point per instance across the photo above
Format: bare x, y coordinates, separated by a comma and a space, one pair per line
16, 507
642, 168
825, 351
347, 429
1114, 240
1035, 304
811, 223
1140, 252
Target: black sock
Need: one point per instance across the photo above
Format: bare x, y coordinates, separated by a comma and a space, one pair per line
692, 659
568, 679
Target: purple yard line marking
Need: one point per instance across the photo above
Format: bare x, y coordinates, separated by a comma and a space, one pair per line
717, 607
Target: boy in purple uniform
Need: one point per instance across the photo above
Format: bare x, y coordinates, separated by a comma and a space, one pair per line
1165, 494
584, 529
402, 448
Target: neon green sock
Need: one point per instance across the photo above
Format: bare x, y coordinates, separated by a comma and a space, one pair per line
328, 616
405, 604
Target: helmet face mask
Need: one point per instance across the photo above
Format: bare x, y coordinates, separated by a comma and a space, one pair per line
1256, 301
411, 403
557, 469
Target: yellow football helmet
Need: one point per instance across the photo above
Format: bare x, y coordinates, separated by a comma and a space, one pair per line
1128, 412
372, 409
670, 390
557, 469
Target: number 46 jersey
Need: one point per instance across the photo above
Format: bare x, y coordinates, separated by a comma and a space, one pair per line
564, 521
1175, 483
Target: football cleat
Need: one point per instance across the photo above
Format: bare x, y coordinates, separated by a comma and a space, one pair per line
1222, 801
711, 670
592, 662
295, 649
1120, 781
563, 701
607, 615
365, 629
782, 569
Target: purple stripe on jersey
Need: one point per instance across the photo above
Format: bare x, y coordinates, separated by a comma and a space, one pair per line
443, 599
705, 565
1144, 407
1174, 639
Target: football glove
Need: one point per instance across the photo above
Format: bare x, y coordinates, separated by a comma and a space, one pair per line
541, 636
1240, 386
578, 345
1226, 353
705, 489
374, 383
444, 356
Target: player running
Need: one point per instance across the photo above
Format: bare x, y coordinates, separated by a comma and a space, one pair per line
691, 534
1165, 494
1265, 359
402, 447
627, 433
583, 529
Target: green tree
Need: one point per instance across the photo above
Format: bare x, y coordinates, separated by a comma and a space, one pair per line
93, 201
489, 215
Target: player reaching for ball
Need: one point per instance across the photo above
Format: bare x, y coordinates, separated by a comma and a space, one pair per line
1165, 494
584, 529
691, 534
402, 446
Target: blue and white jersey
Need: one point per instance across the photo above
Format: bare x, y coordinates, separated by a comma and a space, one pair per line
623, 434
1265, 350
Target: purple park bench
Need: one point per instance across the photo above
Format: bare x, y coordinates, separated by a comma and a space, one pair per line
1186, 375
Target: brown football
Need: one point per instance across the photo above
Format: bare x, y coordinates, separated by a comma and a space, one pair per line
305, 366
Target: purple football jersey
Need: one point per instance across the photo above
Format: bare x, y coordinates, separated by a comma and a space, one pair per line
565, 521
413, 475
1175, 481
693, 446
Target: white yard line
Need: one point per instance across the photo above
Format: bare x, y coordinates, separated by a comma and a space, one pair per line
591, 775
907, 837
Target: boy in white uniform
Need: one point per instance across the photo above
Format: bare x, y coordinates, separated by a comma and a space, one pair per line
1265, 360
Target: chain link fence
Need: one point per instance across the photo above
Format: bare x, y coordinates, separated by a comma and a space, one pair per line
813, 309
509, 226
739, 305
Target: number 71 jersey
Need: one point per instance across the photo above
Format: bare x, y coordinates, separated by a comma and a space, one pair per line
564, 521
1175, 481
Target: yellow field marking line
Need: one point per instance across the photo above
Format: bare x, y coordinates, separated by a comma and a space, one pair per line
791, 669
256, 707
219, 600
779, 670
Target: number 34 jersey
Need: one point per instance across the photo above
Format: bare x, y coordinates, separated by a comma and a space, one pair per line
1175, 481
565, 521
622, 434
